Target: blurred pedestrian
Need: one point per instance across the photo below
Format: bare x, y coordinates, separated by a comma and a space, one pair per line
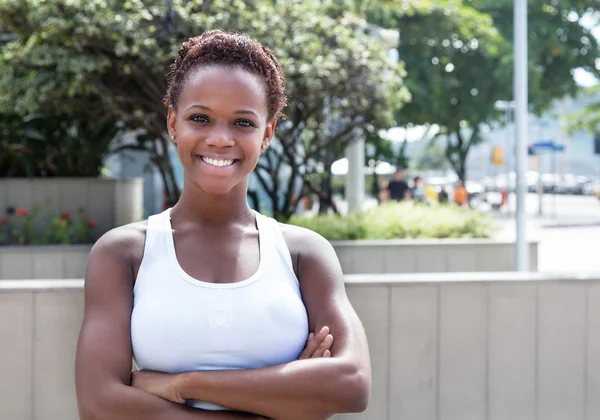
384, 193
461, 196
418, 191
431, 195
443, 196
398, 187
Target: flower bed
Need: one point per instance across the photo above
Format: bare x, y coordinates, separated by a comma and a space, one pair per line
44, 227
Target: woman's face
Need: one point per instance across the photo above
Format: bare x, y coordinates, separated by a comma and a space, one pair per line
220, 127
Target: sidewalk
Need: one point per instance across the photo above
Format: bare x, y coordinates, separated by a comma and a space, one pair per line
566, 245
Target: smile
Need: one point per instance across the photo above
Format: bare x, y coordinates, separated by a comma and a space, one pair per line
217, 162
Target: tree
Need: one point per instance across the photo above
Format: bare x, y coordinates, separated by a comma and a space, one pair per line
111, 56
340, 84
46, 145
559, 43
432, 157
588, 118
459, 62
453, 63
107, 58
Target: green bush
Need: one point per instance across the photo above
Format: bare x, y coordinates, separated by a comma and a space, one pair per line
402, 221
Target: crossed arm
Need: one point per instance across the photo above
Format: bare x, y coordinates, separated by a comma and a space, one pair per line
314, 388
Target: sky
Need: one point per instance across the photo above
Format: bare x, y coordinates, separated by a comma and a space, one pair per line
582, 77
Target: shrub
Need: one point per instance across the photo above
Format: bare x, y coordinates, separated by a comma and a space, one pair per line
39, 227
402, 221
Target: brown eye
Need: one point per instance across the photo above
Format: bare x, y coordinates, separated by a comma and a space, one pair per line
199, 118
244, 123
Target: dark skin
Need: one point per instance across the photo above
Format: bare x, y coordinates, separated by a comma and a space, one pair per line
222, 114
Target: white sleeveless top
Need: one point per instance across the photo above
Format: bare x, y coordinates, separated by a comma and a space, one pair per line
182, 324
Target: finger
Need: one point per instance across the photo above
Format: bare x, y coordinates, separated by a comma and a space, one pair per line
309, 348
323, 347
313, 343
327, 353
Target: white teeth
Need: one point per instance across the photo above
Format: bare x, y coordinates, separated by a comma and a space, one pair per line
217, 162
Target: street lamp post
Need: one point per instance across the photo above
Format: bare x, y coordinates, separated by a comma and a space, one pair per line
521, 112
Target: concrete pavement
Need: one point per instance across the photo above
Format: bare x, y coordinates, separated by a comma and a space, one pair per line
569, 232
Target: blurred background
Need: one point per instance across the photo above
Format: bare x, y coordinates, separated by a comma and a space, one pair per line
400, 130
374, 86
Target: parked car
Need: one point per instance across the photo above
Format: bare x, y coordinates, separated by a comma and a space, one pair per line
592, 188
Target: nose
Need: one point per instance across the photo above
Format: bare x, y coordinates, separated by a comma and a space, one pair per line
220, 136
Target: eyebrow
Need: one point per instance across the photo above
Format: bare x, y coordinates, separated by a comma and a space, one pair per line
239, 111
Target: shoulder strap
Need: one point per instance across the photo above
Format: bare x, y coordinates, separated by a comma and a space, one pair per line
275, 237
155, 230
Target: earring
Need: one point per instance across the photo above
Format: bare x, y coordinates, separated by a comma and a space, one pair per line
173, 139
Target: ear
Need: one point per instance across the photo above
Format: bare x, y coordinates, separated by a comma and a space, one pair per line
171, 120
269, 133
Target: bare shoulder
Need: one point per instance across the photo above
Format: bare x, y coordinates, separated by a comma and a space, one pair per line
123, 239
307, 246
302, 240
121, 245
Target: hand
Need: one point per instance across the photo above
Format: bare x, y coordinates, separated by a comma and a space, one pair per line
318, 345
163, 385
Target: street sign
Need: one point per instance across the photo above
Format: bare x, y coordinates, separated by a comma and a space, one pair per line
497, 156
546, 145
543, 145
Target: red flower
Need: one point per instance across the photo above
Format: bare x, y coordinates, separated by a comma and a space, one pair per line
92, 223
4, 220
22, 212
66, 215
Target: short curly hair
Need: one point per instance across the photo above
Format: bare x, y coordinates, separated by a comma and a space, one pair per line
227, 49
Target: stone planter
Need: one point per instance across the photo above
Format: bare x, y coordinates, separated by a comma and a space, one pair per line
43, 262
430, 256
356, 257
109, 202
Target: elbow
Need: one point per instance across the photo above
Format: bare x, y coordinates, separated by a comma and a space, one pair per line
88, 409
360, 395
95, 406
355, 389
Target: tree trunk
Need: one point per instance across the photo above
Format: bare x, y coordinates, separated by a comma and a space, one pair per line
324, 195
254, 202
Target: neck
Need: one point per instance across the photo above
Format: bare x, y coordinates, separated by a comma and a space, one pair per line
198, 206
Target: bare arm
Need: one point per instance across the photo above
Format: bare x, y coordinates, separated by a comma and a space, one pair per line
103, 361
305, 389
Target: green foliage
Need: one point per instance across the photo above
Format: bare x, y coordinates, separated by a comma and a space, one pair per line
588, 118
333, 227
402, 221
340, 84
110, 58
558, 44
42, 145
458, 58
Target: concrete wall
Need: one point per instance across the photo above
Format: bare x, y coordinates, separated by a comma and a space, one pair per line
356, 257
430, 256
494, 346
43, 262
109, 202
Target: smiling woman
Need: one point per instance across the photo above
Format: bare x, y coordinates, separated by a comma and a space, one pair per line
226, 313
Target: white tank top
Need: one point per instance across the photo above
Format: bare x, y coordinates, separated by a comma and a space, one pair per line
182, 324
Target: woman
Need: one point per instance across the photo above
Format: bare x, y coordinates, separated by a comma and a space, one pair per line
212, 300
